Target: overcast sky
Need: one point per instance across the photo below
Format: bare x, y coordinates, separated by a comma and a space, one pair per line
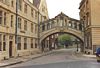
69, 7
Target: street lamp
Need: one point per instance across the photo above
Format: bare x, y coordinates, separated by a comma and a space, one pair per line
76, 42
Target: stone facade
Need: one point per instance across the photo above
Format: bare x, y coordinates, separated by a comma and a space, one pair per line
89, 15
27, 16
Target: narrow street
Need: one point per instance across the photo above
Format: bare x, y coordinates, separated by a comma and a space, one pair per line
64, 58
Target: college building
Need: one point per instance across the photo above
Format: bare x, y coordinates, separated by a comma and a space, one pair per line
19, 21
90, 17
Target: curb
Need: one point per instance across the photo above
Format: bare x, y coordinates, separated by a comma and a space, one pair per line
89, 56
84, 55
11, 64
43, 54
14, 63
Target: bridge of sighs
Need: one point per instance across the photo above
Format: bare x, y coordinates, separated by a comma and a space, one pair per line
50, 30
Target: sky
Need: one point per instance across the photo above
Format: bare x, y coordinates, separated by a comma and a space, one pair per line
69, 7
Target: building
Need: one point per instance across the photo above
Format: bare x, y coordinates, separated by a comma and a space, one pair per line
89, 16
19, 21
42, 7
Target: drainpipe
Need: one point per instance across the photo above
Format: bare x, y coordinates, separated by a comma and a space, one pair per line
84, 35
39, 31
16, 24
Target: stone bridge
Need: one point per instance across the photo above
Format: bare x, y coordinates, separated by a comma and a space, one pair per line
61, 24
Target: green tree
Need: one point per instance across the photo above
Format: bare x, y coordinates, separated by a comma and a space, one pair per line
64, 39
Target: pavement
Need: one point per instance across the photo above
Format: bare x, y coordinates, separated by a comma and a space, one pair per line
18, 60
85, 55
14, 61
90, 56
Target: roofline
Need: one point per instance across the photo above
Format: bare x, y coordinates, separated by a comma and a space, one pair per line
81, 3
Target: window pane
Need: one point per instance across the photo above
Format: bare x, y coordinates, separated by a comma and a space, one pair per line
0, 13
0, 42
25, 43
11, 20
25, 8
4, 46
25, 25
0, 17
20, 4
19, 43
12, 3
19, 23
31, 27
0, 37
31, 43
5, 18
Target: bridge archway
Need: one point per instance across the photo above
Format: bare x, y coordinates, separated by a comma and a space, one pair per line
77, 34
61, 24
47, 34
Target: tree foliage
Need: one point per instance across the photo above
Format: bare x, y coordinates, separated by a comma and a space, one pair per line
64, 39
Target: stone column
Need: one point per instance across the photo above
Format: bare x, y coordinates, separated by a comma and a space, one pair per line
50, 43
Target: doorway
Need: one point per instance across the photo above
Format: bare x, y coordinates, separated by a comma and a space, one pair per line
10, 49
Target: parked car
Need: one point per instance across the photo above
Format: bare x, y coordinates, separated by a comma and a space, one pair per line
98, 54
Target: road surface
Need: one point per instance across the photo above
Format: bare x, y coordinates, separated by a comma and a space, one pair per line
64, 58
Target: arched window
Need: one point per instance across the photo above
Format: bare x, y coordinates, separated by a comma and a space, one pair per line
70, 24
61, 23
65, 23
75, 25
